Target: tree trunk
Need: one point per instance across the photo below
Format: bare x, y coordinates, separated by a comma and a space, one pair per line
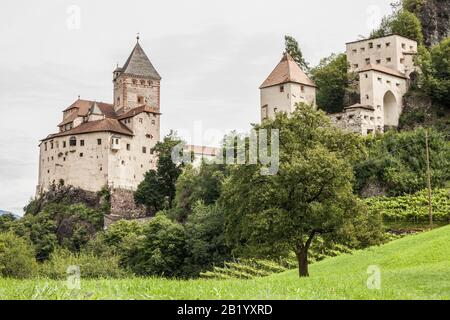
302, 258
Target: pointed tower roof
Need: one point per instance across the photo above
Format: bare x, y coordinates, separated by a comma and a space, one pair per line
138, 64
287, 71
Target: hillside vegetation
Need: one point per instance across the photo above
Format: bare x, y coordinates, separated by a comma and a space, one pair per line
414, 267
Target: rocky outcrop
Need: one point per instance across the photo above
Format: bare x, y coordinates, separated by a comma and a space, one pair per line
435, 18
123, 207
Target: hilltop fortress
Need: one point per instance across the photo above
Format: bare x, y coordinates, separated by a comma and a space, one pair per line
385, 67
109, 145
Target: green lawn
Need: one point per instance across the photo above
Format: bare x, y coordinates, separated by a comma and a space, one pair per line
415, 267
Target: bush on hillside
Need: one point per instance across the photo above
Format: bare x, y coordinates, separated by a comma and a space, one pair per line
16, 257
91, 266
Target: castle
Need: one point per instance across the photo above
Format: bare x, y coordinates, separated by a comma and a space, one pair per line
101, 144
109, 145
384, 66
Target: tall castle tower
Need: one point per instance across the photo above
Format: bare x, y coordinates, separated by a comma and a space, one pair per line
137, 83
286, 86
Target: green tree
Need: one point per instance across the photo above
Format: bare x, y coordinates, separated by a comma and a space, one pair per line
195, 185
403, 23
435, 67
310, 195
157, 190
163, 250
205, 239
293, 48
333, 78
16, 257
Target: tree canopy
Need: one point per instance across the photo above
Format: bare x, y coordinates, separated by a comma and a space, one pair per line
293, 48
311, 194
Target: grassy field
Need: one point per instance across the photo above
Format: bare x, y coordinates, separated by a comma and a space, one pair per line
415, 267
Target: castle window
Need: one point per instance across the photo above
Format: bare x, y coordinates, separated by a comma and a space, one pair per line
99, 141
153, 122
143, 82
144, 150
118, 100
388, 44
355, 51
302, 88
388, 81
64, 159
403, 46
140, 99
380, 80
351, 116
51, 144
388, 59
72, 141
366, 75
123, 162
82, 143
128, 147
368, 61
402, 60
355, 66
64, 144
140, 120
378, 61
411, 47
117, 141
134, 81
367, 96
363, 49
370, 45
101, 169
275, 110
369, 131
81, 155
45, 146
378, 46
150, 82
397, 84
281, 88
339, 118
372, 118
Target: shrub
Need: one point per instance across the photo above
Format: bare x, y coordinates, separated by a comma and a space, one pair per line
91, 266
162, 251
16, 257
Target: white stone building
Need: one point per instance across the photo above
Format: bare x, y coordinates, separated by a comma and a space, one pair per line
101, 144
286, 86
384, 66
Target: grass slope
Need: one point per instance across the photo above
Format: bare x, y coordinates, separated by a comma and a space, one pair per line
415, 267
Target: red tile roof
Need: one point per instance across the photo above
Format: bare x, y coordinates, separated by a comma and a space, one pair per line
135, 111
383, 69
287, 71
84, 106
106, 125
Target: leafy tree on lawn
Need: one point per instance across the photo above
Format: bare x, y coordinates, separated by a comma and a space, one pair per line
157, 190
293, 48
310, 195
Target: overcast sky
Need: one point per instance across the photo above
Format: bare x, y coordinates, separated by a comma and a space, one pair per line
212, 56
